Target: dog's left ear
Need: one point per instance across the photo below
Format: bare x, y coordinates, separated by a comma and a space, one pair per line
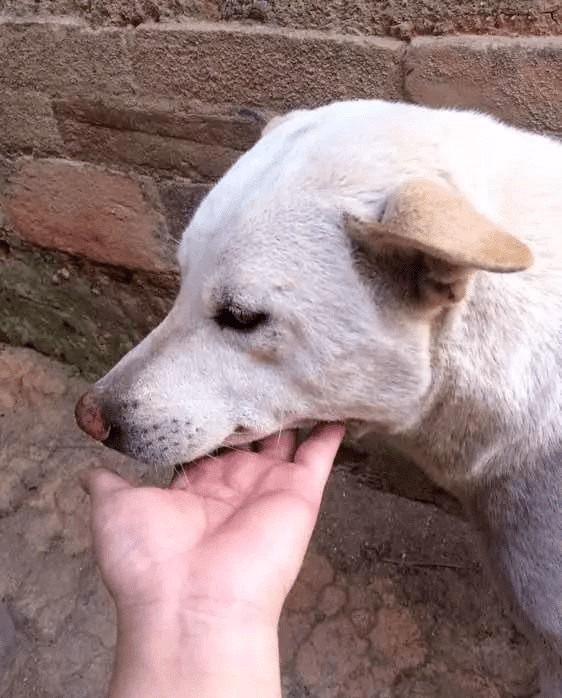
454, 238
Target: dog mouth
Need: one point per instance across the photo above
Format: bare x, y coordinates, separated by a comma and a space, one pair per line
242, 436
135, 444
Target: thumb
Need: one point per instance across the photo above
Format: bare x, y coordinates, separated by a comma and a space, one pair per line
317, 453
99, 482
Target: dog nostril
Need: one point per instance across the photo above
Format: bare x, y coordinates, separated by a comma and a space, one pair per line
89, 417
113, 438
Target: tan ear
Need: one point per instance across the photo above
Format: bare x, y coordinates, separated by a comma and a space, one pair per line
432, 219
278, 120
273, 123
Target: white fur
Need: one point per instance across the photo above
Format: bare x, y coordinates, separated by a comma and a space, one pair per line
473, 392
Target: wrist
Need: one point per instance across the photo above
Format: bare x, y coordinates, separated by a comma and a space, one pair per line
166, 651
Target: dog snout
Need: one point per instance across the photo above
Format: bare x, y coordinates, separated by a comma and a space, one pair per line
89, 417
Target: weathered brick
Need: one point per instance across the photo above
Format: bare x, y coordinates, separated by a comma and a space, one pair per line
87, 211
146, 151
257, 65
196, 141
7, 633
7, 168
27, 123
405, 19
180, 200
116, 12
231, 127
62, 57
81, 312
517, 79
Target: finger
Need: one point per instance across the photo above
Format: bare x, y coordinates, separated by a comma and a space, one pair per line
204, 468
99, 482
317, 453
243, 447
180, 479
280, 446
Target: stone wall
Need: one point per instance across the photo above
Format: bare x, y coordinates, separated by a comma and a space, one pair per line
116, 117
402, 18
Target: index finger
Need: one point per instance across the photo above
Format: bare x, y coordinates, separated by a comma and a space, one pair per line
98, 482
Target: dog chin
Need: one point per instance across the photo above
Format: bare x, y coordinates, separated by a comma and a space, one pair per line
243, 436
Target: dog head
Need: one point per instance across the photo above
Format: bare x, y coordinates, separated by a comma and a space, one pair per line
312, 276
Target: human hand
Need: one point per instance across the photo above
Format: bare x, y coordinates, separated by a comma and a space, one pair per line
208, 562
228, 536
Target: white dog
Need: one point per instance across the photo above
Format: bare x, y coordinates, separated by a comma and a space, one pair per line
349, 266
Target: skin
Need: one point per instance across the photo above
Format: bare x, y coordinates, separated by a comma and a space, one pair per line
199, 572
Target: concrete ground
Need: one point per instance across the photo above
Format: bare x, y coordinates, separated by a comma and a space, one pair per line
391, 601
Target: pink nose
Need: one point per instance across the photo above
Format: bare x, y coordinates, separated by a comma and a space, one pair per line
89, 417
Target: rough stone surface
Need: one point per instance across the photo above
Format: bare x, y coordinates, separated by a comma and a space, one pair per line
365, 16
63, 58
28, 124
332, 653
379, 621
7, 634
180, 200
61, 615
332, 600
87, 211
194, 140
230, 127
83, 313
147, 152
397, 637
518, 80
403, 19
117, 12
262, 67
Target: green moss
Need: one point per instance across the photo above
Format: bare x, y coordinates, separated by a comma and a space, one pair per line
84, 314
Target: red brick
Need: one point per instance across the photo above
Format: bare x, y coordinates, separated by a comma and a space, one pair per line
87, 211
200, 162
62, 57
516, 79
258, 65
231, 127
199, 142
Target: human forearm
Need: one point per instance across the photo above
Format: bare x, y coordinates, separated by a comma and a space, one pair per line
171, 655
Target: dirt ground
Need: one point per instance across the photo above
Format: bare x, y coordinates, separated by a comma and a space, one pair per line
391, 601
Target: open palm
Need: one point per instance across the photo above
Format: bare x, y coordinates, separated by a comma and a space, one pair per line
226, 539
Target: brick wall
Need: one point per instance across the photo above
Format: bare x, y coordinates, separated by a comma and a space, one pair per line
111, 133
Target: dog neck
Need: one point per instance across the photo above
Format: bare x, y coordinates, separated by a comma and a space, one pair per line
496, 385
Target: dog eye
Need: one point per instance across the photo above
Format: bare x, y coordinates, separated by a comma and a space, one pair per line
239, 319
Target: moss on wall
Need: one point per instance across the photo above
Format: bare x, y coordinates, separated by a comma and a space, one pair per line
78, 312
